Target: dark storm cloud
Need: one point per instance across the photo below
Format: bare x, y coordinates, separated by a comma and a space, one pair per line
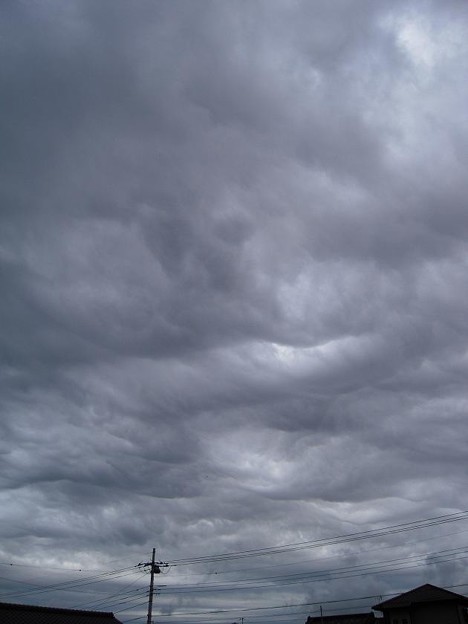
233, 276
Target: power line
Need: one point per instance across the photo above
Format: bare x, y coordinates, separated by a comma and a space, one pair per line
448, 554
276, 607
62, 569
306, 580
65, 585
339, 539
288, 606
142, 604
120, 594
335, 556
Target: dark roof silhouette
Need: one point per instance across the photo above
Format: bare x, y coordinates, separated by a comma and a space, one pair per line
424, 593
354, 618
28, 614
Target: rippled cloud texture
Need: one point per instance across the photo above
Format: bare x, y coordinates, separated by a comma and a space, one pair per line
234, 289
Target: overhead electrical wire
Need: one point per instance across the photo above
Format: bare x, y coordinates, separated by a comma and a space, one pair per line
128, 608
448, 554
111, 606
271, 616
373, 597
274, 607
438, 557
12, 564
109, 597
339, 539
70, 584
309, 579
222, 572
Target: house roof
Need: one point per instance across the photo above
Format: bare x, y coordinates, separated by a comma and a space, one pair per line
28, 614
424, 593
354, 618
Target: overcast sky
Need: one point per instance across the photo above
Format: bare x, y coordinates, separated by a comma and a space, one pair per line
233, 299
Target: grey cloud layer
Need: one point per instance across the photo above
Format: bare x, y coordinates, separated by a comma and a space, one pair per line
233, 272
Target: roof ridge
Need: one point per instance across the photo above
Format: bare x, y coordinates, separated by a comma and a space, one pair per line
423, 593
15, 605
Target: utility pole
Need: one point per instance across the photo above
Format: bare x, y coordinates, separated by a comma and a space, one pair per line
150, 597
321, 614
154, 569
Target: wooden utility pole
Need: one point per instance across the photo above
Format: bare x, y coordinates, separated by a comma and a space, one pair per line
151, 589
155, 568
